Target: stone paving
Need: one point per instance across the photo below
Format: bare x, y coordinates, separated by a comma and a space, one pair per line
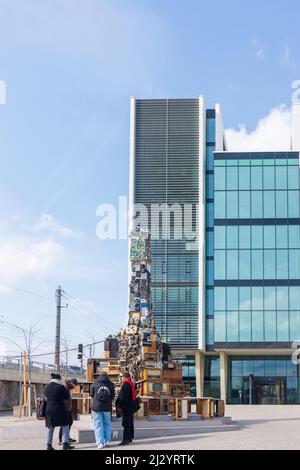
260, 427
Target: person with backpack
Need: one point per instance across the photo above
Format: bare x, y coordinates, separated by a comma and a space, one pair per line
128, 403
103, 393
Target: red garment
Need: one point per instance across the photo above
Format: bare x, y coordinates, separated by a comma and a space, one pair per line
128, 380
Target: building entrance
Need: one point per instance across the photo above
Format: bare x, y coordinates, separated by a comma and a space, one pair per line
269, 391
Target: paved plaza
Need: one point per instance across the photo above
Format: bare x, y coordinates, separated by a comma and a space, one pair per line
259, 427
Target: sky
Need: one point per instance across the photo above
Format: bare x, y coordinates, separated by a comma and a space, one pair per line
69, 68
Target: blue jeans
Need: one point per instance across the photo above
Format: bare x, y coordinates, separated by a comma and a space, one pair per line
65, 435
102, 426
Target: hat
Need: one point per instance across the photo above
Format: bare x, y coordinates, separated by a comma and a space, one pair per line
74, 382
55, 376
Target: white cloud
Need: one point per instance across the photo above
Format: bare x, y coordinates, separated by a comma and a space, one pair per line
22, 258
272, 132
260, 51
48, 223
260, 54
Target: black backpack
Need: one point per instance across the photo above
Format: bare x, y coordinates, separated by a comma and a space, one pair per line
103, 393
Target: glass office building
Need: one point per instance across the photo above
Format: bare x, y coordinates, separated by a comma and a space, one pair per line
233, 301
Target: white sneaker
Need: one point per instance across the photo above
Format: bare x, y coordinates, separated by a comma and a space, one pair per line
107, 444
100, 446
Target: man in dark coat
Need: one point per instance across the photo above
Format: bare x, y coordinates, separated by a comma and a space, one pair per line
103, 393
127, 401
57, 410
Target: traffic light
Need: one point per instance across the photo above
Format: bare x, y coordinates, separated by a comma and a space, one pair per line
80, 351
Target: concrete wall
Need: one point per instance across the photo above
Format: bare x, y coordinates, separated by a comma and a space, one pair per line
13, 375
9, 393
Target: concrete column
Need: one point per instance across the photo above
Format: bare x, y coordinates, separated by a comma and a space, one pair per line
199, 363
223, 375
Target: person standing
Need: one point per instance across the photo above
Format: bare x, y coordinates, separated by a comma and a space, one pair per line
57, 414
127, 402
103, 393
69, 384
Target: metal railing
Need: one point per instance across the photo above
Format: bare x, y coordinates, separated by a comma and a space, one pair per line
41, 368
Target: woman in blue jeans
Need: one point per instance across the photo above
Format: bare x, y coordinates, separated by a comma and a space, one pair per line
103, 393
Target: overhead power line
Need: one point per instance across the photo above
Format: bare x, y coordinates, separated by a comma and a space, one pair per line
64, 351
26, 292
88, 309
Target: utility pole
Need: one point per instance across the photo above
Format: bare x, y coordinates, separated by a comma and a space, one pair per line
58, 321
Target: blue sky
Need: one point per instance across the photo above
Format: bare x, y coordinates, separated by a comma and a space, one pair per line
69, 68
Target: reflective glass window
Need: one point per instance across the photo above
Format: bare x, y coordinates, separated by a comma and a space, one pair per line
281, 177
220, 207
244, 205
293, 197
220, 298
257, 326
269, 204
232, 237
282, 297
257, 264
220, 178
232, 204
256, 204
232, 325
270, 298
244, 178
232, 298
220, 237
268, 177
244, 264
257, 298
294, 298
257, 236
282, 325
295, 325
294, 264
269, 236
270, 325
220, 326
269, 264
256, 178
220, 264
244, 298
293, 177
232, 178
244, 237
245, 326
232, 264
282, 267
281, 236
281, 204
294, 236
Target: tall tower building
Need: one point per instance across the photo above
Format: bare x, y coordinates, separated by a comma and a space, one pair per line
228, 301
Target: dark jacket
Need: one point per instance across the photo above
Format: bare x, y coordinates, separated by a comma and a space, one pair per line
102, 381
56, 412
125, 399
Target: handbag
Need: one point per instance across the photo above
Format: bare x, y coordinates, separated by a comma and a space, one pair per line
119, 412
41, 414
137, 404
68, 404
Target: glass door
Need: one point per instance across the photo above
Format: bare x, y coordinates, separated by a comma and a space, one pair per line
270, 393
